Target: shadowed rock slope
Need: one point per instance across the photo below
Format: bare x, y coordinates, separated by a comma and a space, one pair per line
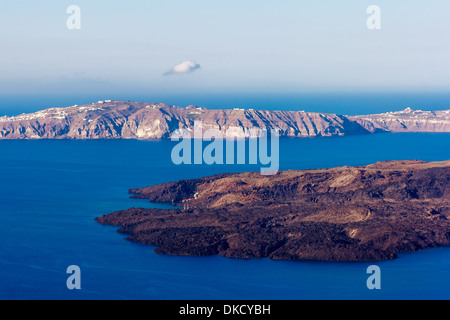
339, 214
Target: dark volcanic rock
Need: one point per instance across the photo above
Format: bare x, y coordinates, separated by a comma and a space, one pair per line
339, 214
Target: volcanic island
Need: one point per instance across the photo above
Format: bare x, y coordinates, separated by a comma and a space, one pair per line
366, 213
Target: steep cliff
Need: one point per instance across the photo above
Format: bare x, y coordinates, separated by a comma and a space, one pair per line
133, 120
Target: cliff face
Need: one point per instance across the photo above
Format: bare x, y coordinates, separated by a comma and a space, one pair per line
339, 214
106, 120
407, 120
133, 120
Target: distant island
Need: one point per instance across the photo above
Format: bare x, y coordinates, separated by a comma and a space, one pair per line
364, 213
133, 120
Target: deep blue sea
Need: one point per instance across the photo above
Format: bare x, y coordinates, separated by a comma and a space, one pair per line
51, 191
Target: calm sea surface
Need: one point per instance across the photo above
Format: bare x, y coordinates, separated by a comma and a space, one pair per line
51, 191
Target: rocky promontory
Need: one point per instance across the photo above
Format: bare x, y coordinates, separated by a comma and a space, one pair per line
339, 214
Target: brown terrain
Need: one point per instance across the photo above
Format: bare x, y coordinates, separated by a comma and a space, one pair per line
340, 214
134, 120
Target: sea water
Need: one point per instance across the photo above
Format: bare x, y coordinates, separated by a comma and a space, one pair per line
51, 191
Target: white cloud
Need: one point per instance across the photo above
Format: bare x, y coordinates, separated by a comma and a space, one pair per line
183, 68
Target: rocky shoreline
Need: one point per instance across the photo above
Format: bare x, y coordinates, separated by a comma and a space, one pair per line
341, 214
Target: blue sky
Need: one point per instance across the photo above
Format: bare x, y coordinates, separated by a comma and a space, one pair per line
127, 46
